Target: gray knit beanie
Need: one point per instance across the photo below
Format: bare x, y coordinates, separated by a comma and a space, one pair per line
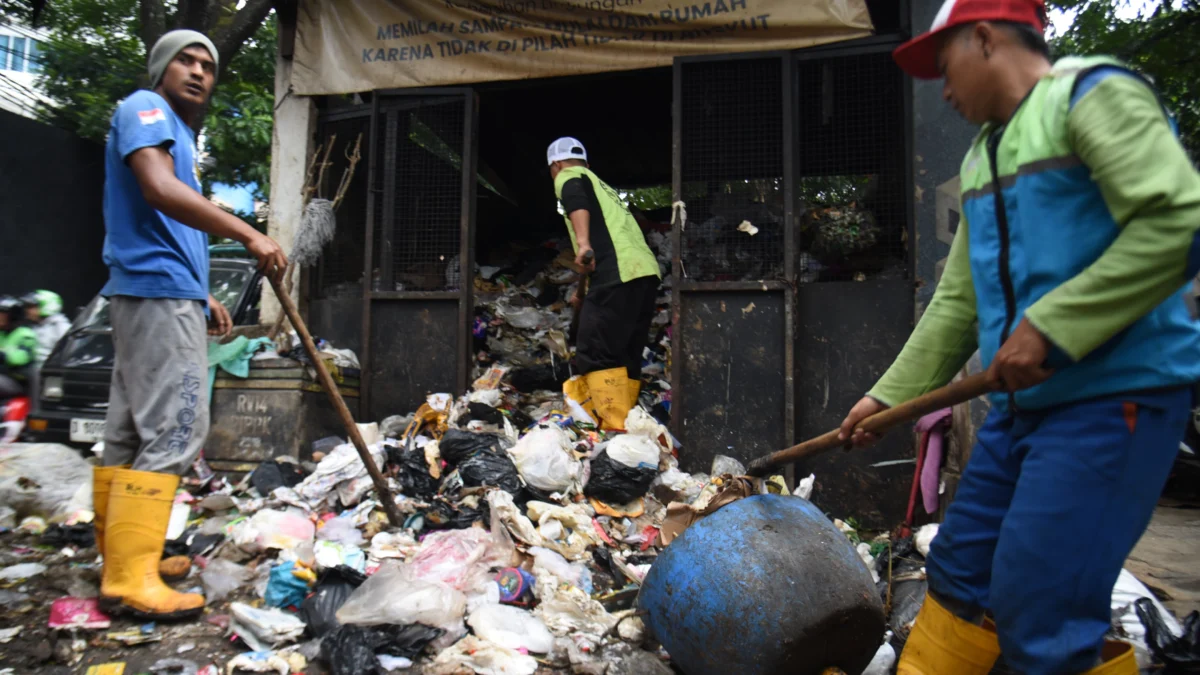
169, 45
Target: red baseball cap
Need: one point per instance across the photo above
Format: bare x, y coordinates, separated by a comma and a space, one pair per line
918, 56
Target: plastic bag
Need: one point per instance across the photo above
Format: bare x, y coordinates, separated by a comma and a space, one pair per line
44, 478
1127, 625
21, 571
923, 538
511, 627
394, 594
334, 587
269, 529
674, 485
482, 658
569, 609
546, 561
804, 488
340, 531
339, 466
457, 446
884, 659
271, 475
262, 628
392, 545
543, 456
222, 577
327, 554
634, 451
415, 480
351, 650
285, 589
492, 470
723, 464
1182, 651
258, 662
459, 559
615, 483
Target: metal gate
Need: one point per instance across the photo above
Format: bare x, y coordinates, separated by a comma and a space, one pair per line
417, 289
792, 280
732, 301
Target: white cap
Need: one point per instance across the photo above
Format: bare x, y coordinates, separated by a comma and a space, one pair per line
563, 149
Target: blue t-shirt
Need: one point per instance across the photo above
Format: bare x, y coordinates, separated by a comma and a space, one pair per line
150, 255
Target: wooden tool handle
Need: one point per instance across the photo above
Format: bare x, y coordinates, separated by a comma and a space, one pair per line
335, 397
944, 397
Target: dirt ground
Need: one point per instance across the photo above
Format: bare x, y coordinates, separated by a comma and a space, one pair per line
1165, 558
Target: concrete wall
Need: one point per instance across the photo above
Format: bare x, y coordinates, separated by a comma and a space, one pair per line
51, 223
295, 117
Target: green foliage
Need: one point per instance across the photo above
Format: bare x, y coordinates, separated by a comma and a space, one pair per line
95, 57
1162, 41
648, 198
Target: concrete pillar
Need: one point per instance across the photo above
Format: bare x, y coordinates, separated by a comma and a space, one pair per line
295, 117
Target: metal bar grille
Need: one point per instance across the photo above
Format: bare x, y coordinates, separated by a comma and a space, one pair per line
424, 156
341, 268
851, 188
732, 166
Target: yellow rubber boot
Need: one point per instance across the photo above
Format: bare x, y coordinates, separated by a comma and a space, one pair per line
139, 509
1118, 660
610, 397
943, 644
175, 568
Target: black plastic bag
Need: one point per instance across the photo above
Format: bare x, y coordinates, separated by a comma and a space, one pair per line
614, 483
548, 376
271, 475
484, 413
458, 446
81, 535
1180, 654
491, 469
442, 515
414, 477
334, 586
192, 544
351, 650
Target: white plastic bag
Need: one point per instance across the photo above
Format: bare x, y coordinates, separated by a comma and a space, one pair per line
723, 464
511, 627
550, 562
923, 538
222, 577
482, 658
544, 459
267, 627
44, 479
634, 451
392, 545
395, 595
804, 489
341, 465
569, 609
884, 659
340, 531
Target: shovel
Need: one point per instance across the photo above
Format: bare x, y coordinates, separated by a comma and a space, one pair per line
950, 395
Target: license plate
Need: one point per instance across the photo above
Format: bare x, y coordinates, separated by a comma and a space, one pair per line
87, 431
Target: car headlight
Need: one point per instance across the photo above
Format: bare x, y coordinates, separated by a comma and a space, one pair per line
52, 388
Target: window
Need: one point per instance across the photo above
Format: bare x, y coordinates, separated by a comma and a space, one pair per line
18, 54
35, 64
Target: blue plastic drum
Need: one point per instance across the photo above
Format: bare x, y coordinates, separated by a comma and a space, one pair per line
765, 586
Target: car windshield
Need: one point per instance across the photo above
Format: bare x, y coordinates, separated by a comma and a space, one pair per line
226, 285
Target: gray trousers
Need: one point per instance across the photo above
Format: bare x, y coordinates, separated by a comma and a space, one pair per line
158, 403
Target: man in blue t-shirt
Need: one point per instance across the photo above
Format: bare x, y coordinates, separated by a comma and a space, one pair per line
157, 224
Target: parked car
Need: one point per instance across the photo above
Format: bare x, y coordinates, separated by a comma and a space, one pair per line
72, 397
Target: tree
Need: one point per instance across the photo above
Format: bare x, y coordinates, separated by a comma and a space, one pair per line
1160, 39
96, 56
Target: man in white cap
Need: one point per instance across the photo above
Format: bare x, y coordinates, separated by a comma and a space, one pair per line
1069, 273
615, 316
157, 225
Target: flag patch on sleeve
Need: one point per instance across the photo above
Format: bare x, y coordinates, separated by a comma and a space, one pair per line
152, 116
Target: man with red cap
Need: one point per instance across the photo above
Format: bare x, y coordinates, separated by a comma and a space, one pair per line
1068, 272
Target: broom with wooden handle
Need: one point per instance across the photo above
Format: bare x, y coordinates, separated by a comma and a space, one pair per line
944, 397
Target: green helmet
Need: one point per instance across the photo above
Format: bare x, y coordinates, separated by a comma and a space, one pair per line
47, 302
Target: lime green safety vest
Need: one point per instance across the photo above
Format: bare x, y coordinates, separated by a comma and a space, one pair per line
634, 258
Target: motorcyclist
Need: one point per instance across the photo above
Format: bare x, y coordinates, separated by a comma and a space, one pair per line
43, 311
18, 348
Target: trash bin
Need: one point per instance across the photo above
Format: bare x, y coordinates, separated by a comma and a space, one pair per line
279, 410
764, 586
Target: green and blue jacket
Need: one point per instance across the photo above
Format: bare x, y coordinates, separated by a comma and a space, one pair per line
1079, 215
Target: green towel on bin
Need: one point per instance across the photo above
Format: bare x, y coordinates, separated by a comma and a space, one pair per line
233, 357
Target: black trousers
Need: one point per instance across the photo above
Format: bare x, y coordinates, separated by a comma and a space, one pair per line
614, 324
